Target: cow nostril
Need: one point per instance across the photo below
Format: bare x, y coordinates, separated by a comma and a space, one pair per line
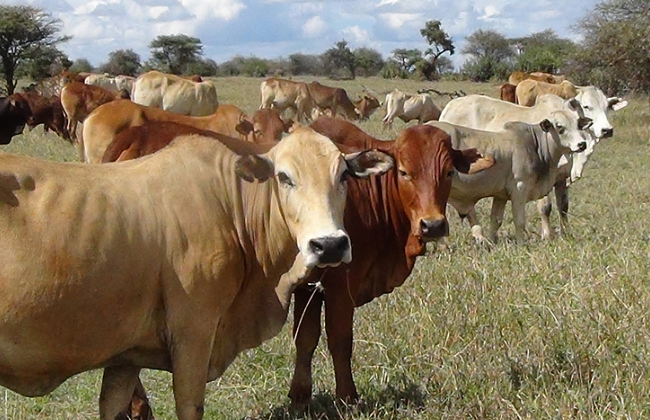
316, 246
608, 132
330, 250
430, 229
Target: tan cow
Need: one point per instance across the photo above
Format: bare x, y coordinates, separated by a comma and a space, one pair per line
409, 107
526, 167
283, 94
517, 76
528, 90
334, 100
107, 121
175, 94
113, 84
177, 261
79, 100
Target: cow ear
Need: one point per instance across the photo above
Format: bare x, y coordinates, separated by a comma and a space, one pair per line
616, 103
584, 123
369, 162
546, 125
289, 125
254, 167
244, 127
470, 161
574, 104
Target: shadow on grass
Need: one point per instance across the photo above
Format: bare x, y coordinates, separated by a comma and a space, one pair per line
408, 396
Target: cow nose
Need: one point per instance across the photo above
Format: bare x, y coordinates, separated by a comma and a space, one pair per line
432, 229
329, 250
608, 132
582, 146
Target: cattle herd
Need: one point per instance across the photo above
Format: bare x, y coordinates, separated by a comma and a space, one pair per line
237, 214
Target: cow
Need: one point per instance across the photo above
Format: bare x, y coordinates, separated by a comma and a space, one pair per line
517, 76
46, 111
390, 220
283, 94
527, 157
366, 105
335, 100
13, 117
107, 121
409, 107
528, 90
175, 94
79, 100
198, 270
507, 93
485, 113
112, 84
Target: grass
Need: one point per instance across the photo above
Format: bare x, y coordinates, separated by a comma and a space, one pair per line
553, 329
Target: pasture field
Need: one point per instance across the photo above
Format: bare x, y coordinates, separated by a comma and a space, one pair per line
555, 329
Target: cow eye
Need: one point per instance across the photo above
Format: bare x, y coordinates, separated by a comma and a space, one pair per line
450, 173
403, 174
561, 129
587, 107
284, 179
344, 176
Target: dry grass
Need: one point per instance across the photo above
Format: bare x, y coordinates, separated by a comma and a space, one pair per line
546, 330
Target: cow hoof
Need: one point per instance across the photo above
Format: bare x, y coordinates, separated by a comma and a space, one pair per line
300, 398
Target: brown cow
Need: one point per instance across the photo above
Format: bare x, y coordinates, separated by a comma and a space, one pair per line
79, 100
334, 99
46, 111
528, 90
508, 93
366, 106
389, 220
283, 94
103, 125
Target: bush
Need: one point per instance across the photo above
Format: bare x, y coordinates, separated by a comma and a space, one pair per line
486, 68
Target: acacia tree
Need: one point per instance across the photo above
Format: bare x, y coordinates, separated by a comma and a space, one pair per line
26, 33
126, 62
542, 51
491, 53
173, 53
339, 57
440, 42
615, 53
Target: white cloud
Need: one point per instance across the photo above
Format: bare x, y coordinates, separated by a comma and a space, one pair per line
359, 36
489, 13
397, 20
226, 10
314, 27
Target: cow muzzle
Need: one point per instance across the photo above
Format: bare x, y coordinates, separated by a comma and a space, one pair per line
433, 229
582, 146
607, 132
330, 250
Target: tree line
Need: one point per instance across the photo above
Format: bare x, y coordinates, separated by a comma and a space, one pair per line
614, 53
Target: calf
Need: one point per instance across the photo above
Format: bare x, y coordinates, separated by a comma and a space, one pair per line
528, 90
409, 107
527, 157
389, 220
79, 100
46, 111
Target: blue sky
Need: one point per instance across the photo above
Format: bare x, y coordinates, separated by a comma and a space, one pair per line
278, 28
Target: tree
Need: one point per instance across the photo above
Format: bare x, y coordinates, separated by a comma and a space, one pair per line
125, 62
491, 54
368, 61
615, 53
339, 57
441, 43
48, 62
25, 33
81, 65
204, 67
406, 60
173, 53
306, 64
542, 51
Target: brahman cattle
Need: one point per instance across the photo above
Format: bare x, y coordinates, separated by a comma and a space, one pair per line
528, 90
389, 219
527, 157
198, 269
485, 113
409, 107
107, 121
283, 94
46, 111
517, 76
79, 100
175, 94
113, 84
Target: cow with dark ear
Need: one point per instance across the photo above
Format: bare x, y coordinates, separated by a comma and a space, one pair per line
14, 112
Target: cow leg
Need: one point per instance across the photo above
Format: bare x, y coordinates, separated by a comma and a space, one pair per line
496, 216
518, 203
118, 384
190, 361
562, 201
339, 313
139, 408
544, 207
477, 231
306, 332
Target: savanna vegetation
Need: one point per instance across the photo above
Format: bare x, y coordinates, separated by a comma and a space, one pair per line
553, 329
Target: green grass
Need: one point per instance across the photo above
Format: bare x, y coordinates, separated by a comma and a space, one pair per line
553, 329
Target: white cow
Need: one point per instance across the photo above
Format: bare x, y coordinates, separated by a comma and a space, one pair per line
409, 107
526, 167
174, 93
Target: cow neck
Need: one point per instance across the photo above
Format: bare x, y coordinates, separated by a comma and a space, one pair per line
548, 151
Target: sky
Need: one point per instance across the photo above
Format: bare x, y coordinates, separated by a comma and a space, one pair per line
279, 28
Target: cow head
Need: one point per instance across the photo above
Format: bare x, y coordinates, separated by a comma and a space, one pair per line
366, 106
595, 105
14, 113
568, 129
310, 175
425, 164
